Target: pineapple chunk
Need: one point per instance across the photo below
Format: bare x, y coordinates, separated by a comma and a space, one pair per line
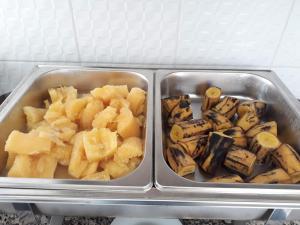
128, 125
99, 144
136, 98
91, 169
132, 147
115, 169
47, 104
74, 108
62, 154
66, 129
88, 114
55, 110
27, 144
78, 162
64, 122
23, 166
134, 163
63, 94
45, 166
108, 92
103, 175
33, 115
119, 103
10, 160
104, 117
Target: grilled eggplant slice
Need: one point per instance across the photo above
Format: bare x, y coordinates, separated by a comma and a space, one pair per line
189, 128
276, 176
263, 144
240, 161
227, 179
211, 98
259, 107
168, 104
194, 145
238, 135
217, 146
217, 120
180, 161
268, 127
288, 159
248, 120
227, 106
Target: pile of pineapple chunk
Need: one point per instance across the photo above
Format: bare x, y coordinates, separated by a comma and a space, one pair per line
97, 136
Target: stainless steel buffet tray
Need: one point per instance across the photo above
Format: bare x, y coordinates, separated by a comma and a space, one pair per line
263, 85
172, 196
34, 89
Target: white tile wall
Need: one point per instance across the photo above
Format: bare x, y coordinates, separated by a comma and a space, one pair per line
36, 30
243, 33
289, 50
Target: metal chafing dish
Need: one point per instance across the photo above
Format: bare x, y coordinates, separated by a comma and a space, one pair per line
34, 89
171, 196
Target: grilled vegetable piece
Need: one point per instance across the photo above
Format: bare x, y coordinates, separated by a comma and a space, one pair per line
180, 161
194, 146
211, 98
240, 161
268, 127
237, 133
263, 144
168, 104
234, 148
181, 112
288, 159
227, 179
217, 146
259, 107
276, 176
248, 120
217, 120
189, 128
227, 106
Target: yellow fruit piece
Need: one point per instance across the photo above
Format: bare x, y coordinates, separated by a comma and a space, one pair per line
103, 175
78, 162
22, 167
33, 115
88, 114
63, 94
131, 147
74, 108
27, 144
10, 160
90, 169
128, 125
45, 166
62, 154
47, 103
108, 92
119, 103
137, 98
104, 117
55, 110
115, 169
134, 163
99, 144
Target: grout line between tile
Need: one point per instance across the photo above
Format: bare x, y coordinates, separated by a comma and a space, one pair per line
282, 33
74, 30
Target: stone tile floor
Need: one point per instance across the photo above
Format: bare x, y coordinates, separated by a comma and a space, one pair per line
12, 219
